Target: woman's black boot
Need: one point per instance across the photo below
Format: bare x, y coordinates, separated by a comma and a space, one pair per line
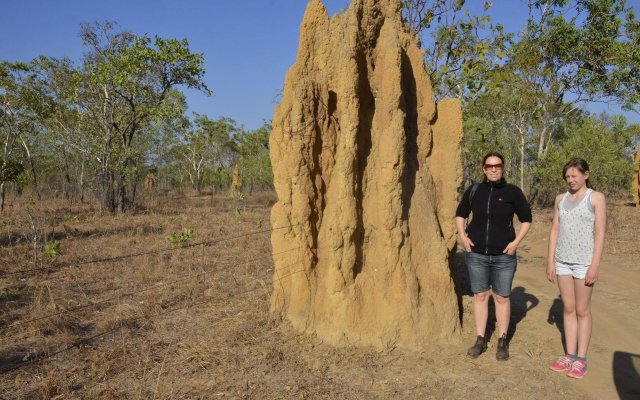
502, 353
478, 348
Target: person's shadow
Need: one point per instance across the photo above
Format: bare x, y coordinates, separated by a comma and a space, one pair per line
521, 303
460, 277
626, 368
556, 318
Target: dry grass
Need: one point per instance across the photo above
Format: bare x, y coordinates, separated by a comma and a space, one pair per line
79, 326
189, 323
623, 226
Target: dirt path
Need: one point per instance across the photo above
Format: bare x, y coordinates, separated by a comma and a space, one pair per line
614, 354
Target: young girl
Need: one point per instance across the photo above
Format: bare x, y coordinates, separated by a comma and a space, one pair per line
575, 248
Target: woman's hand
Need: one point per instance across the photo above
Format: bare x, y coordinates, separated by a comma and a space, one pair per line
466, 243
510, 249
551, 271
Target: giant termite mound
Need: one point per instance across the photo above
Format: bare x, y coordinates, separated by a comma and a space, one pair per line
366, 169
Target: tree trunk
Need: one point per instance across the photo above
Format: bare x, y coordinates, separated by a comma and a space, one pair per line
5, 156
122, 193
541, 143
522, 143
106, 187
134, 190
32, 166
66, 187
1, 197
82, 180
123, 202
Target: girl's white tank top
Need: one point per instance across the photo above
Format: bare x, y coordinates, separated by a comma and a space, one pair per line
575, 239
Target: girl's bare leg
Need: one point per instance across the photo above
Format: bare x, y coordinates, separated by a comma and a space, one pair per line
583, 313
567, 293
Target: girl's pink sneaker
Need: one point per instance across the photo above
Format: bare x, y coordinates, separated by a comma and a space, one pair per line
578, 369
562, 364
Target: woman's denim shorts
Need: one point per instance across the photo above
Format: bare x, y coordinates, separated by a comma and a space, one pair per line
491, 271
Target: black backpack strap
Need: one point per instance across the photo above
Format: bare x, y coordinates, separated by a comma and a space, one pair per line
473, 192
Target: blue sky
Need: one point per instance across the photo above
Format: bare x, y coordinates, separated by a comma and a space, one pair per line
248, 44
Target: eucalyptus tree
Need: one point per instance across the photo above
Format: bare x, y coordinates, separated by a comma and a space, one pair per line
38, 96
66, 126
529, 90
124, 84
573, 52
618, 80
499, 120
506, 118
252, 148
22, 106
569, 54
163, 139
10, 166
461, 48
605, 142
206, 147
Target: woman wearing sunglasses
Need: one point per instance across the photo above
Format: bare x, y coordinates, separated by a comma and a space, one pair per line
490, 241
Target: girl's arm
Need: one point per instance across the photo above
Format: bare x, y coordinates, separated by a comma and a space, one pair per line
599, 207
553, 241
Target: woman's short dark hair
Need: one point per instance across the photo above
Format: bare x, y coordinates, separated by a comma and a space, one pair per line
579, 164
493, 154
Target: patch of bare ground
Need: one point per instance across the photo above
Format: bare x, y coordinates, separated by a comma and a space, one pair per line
191, 321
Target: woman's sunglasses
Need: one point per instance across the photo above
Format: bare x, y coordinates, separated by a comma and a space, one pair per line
497, 167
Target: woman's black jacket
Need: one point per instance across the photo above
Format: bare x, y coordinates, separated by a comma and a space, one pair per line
493, 206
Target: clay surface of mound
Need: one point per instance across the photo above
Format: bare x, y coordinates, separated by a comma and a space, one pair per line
367, 169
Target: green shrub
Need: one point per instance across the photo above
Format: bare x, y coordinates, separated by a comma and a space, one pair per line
71, 219
51, 251
181, 237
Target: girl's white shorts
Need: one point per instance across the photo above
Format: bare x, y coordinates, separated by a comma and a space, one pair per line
578, 271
